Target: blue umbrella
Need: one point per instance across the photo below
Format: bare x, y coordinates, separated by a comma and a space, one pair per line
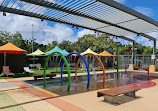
56, 49
65, 52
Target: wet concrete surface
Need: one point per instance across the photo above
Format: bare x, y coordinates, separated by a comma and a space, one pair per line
54, 85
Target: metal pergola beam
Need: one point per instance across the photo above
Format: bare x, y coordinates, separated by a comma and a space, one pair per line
112, 3
35, 15
125, 38
130, 11
147, 36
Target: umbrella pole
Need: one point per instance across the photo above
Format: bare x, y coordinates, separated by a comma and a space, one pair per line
33, 59
56, 63
4, 59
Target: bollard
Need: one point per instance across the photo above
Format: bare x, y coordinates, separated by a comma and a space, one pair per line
125, 69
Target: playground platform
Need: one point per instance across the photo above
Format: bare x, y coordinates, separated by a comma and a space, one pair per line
17, 96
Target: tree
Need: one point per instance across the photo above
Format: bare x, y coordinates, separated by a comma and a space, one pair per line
5, 37
50, 46
67, 45
85, 42
97, 42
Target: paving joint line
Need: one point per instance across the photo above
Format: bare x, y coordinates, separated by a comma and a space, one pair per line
47, 100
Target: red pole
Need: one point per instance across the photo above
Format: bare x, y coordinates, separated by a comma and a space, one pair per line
148, 73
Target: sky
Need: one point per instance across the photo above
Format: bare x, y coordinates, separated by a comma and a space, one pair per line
47, 31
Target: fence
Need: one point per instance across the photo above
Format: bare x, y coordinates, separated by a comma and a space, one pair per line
140, 60
124, 60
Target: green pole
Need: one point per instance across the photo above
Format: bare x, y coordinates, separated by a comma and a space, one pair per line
117, 61
67, 66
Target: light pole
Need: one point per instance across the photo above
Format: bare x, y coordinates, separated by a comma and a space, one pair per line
32, 36
33, 39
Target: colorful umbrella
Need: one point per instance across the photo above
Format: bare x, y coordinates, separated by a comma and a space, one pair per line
10, 48
89, 51
74, 54
65, 52
105, 53
38, 52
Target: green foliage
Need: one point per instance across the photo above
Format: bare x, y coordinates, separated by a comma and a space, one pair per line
67, 45
51, 45
97, 42
17, 40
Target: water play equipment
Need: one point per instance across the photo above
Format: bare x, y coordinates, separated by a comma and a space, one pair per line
67, 66
81, 57
99, 62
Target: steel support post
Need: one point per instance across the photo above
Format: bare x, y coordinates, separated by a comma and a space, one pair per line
133, 52
117, 61
154, 51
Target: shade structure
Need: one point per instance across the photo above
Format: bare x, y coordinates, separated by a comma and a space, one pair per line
105, 53
57, 49
107, 16
65, 52
38, 52
89, 51
11, 48
74, 54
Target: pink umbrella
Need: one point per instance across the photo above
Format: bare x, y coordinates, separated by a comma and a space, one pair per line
74, 54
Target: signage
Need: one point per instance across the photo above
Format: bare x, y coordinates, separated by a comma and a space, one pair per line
153, 57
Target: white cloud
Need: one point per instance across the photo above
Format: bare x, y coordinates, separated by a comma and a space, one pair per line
144, 10
120, 1
155, 35
59, 33
122, 41
19, 23
42, 31
84, 32
146, 42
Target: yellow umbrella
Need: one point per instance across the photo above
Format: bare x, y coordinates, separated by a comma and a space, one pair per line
89, 51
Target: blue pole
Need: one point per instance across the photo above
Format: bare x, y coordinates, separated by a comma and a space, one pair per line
88, 83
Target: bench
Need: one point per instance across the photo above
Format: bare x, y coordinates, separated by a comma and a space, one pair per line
111, 95
51, 75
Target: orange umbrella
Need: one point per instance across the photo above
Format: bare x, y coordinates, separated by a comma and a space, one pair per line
10, 48
105, 53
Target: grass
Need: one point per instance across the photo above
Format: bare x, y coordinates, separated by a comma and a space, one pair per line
17, 75
57, 70
1, 77
49, 70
